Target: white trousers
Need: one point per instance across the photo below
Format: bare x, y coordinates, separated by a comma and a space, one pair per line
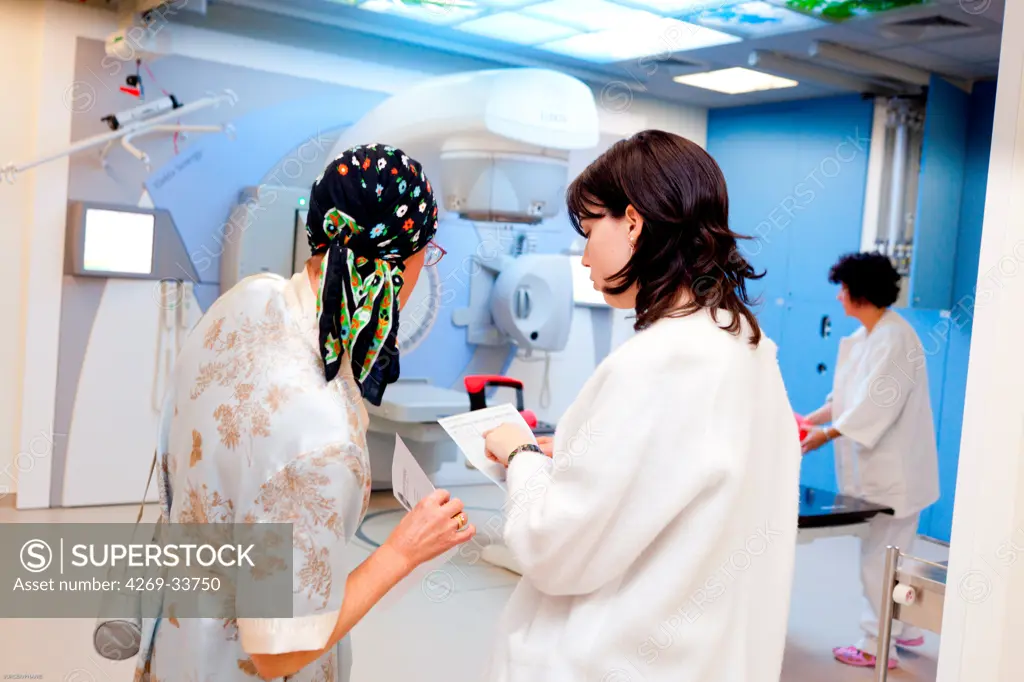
883, 530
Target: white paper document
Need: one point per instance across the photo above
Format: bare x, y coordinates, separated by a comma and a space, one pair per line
409, 482
467, 431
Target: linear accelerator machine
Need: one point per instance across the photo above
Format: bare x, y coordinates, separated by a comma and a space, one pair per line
495, 145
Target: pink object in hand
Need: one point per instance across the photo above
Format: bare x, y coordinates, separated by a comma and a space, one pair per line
803, 425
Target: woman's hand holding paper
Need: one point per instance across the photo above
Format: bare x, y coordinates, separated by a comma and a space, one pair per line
502, 440
435, 525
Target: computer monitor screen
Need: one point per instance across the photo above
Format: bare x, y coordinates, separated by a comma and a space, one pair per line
118, 242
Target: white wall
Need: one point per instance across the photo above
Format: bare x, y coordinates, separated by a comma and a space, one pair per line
21, 33
38, 120
37, 108
983, 624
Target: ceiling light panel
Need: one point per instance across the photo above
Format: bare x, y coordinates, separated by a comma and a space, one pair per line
753, 18
735, 81
841, 10
505, 4
675, 7
517, 28
656, 36
433, 12
589, 15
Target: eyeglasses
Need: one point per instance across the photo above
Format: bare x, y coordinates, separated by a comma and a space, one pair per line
434, 254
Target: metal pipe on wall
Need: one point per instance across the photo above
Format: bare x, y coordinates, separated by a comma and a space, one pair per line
898, 180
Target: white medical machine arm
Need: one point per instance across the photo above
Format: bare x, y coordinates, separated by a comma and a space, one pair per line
142, 156
533, 111
11, 170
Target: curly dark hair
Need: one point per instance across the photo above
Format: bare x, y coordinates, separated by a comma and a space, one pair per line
869, 278
685, 243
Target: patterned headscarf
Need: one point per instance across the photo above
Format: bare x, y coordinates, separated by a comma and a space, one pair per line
371, 209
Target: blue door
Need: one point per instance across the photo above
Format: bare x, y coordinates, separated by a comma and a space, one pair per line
811, 333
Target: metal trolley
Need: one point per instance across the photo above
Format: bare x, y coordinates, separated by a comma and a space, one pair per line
916, 590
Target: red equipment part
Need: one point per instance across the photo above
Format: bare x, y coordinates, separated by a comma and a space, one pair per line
476, 386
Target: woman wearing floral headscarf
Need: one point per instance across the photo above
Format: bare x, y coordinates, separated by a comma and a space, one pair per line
265, 423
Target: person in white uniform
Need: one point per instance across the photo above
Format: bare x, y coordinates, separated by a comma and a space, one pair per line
657, 536
880, 418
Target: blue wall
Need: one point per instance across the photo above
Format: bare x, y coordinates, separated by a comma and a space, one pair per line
797, 174
972, 210
939, 193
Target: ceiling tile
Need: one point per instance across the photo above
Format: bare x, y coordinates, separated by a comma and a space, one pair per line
856, 37
974, 49
915, 56
979, 71
987, 9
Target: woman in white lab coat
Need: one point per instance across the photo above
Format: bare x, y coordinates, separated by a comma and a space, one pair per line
879, 415
656, 534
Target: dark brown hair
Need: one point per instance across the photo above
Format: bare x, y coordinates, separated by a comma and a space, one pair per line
685, 243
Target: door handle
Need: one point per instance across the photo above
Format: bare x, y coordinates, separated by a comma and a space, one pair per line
826, 327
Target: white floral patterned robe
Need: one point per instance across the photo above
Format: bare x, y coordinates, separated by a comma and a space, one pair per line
253, 433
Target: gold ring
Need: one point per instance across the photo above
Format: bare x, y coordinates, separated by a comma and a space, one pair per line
461, 518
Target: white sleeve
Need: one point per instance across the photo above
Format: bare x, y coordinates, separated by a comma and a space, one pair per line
578, 521
313, 493
882, 393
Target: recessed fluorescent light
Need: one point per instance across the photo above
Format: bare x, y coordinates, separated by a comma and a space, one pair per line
735, 81
516, 28
659, 36
430, 11
589, 15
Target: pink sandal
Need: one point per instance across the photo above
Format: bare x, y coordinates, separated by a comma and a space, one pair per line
851, 655
910, 643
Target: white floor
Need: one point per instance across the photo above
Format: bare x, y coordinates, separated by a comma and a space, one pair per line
443, 617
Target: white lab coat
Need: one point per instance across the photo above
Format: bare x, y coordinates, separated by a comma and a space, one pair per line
887, 453
658, 544
880, 404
